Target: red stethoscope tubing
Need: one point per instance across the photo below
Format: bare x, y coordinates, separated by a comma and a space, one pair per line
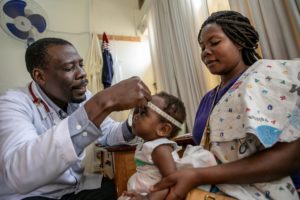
37, 100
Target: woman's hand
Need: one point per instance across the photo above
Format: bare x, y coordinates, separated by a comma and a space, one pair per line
180, 183
282, 160
132, 196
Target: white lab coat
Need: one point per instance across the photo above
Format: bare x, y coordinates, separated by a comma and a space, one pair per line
37, 158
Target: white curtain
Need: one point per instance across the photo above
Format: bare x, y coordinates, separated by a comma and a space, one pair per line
174, 52
278, 24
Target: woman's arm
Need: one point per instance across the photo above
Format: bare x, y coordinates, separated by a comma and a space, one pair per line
281, 160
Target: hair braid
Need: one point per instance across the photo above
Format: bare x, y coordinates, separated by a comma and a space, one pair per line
238, 28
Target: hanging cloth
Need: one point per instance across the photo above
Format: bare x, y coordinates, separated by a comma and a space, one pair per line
107, 69
93, 65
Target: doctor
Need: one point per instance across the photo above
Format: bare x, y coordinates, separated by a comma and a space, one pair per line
45, 127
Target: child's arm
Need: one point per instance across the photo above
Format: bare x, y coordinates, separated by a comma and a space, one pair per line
162, 158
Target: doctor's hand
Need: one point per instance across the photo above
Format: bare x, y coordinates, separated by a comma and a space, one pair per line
179, 184
128, 94
124, 95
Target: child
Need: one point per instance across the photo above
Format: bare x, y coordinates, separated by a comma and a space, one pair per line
156, 123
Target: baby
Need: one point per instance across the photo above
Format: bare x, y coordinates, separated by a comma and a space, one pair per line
154, 158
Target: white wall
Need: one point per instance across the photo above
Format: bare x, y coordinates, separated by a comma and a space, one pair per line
62, 17
73, 20
113, 16
12, 64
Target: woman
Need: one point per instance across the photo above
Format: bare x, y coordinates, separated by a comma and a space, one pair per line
228, 43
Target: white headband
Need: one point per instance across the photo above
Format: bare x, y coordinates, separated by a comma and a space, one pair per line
164, 114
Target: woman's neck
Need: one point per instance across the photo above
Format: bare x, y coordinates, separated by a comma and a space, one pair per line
225, 79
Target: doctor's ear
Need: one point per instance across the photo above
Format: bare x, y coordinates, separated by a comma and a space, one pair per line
164, 130
38, 76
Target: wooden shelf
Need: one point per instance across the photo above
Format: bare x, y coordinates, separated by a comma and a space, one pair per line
121, 38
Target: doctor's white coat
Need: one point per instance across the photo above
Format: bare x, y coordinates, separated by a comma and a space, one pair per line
37, 158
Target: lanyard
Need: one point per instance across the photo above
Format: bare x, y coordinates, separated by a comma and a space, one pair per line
206, 132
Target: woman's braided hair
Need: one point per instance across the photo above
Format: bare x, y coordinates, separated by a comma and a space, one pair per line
238, 28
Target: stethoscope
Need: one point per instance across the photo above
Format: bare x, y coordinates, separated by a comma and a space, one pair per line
38, 101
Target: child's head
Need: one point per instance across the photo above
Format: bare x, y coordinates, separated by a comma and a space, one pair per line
150, 125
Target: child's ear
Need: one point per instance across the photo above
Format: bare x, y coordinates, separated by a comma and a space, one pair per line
164, 129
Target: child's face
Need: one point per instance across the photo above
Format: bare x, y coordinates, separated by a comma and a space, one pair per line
146, 122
